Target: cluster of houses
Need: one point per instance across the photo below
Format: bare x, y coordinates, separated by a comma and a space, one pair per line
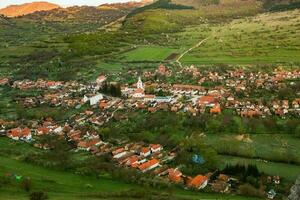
192, 98
198, 99
152, 158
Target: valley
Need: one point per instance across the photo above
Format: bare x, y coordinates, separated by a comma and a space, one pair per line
171, 99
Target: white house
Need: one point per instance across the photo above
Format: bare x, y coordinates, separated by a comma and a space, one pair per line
94, 99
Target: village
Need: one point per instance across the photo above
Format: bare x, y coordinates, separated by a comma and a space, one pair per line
150, 93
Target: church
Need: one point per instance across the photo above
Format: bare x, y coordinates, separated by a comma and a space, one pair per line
140, 89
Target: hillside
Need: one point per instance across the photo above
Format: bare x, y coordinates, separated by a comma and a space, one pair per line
27, 8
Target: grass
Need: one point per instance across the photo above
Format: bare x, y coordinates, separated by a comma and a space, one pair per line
149, 53
287, 171
65, 185
265, 38
271, 147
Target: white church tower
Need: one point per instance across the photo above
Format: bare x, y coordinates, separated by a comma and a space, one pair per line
140, 84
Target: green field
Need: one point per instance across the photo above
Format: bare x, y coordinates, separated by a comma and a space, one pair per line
266, 38
271, 147
288, 171
149, 53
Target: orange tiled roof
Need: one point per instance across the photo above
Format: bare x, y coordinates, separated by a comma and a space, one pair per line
197, 181
148, 164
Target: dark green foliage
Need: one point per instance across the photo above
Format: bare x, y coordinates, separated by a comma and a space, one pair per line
245, 173
282, 7
113, 89
194, 146
160, 4
59, 155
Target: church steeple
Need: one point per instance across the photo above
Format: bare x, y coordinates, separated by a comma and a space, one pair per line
140, 84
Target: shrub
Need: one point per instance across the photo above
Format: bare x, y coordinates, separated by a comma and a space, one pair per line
26, 184
249, 190
38, 196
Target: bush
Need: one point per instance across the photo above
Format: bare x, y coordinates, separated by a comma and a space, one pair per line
26, 184
249, 190
38, 196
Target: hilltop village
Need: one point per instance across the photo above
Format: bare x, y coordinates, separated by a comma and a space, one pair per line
161, 90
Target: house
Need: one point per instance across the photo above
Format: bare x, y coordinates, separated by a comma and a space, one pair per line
174, 175
100, 79
54, 84
119, 153
132, 161
94, 99
206, 101
198, 182
151, 164
4, 81
162, 70
152, 109
276, 180
160, 99
156, 148
271, 194
103, 104
138, 93
20, 134
88, 144
145, 151
42, 130
149, 97
220, 186
216, 109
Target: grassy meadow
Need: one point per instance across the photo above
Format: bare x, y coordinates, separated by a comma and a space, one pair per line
266, 38
271, 147
287, 171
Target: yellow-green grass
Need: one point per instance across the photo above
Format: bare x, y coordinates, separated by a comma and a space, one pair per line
266, 38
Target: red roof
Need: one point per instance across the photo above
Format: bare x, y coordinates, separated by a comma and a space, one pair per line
148, 164
43, 130
174, 175
18, 132
155, 146
197, 181
145, 150
206, 100
117, 151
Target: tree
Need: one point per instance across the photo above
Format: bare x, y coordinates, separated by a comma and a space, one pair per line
194, 146
59, 155
295, 191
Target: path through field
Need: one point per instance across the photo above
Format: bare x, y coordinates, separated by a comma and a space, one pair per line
190, 49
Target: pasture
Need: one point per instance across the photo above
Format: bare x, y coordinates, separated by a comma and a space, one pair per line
263, 39
287, 171
272, 147
149, 53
